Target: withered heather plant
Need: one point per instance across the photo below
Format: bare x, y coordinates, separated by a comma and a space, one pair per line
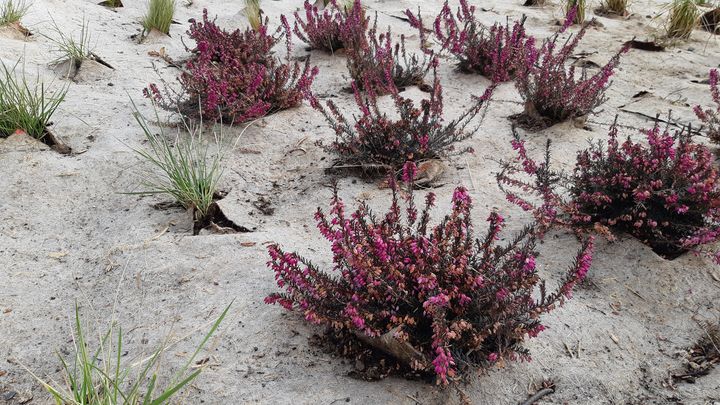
711, 117
666, 193
235, 76
494, 52
323, 29
377, 140
553, 91
454, 300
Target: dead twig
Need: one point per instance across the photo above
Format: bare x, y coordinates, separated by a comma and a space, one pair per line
538, 395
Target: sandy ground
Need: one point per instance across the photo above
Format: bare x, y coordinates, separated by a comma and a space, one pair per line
68, 234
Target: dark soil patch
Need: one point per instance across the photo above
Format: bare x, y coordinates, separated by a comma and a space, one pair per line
710, 21
216, 221
604, 12
111, 3
369, 363
54, 143
666, 250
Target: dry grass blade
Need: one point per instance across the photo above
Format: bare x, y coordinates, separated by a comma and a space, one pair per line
683, 18
580, 5
253, 13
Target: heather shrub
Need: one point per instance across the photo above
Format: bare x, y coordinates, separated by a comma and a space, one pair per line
553, 91
324, 30
665, 193
235, 76
373, 59
711, 117
494, 52
377, 140
437, 298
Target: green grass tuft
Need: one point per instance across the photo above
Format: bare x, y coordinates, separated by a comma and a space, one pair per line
72, 49
188, 170
159, 16
12, 11
24, 104
100, 377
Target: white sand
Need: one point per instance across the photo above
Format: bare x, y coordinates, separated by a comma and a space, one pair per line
67, 234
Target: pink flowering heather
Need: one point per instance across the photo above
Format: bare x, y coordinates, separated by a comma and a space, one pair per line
665, 193
323, 30
381, 141
553, 91
373, 58
495, 52
235, 76
459, 301
711, 117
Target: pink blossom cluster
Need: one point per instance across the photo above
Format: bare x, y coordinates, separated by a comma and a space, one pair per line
382, 140
666, 192
235, 76
553, 91
323, 29
373, 58
458, 300
711, 117
495, 52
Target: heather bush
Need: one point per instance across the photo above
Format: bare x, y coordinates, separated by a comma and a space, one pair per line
373, 59
711, 117
496, 53
553, 91
665, 193
324, 30
451, 300
235, 76
379, 141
